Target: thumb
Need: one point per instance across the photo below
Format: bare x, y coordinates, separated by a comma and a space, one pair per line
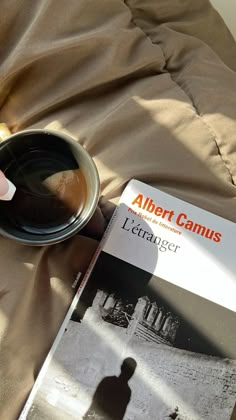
7, 189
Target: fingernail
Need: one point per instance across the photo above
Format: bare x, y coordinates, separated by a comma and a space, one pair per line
7, 190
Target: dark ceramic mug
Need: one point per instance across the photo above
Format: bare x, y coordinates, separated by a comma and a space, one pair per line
57, 187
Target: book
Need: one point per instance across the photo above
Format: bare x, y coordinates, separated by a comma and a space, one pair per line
151, 332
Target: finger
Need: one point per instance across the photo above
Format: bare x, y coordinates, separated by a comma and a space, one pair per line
7, 189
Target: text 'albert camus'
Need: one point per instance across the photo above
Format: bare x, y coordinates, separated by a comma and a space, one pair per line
135, 228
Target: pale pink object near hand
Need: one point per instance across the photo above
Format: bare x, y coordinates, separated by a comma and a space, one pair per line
7, 188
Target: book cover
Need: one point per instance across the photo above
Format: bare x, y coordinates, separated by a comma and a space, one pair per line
151, 332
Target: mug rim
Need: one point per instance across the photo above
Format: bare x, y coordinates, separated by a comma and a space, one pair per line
72, 230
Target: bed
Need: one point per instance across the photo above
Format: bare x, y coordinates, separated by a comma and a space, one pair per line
149, 89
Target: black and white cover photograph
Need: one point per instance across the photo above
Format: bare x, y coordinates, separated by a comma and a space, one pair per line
139, 347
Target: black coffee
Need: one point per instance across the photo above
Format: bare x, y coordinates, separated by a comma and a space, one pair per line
50, 191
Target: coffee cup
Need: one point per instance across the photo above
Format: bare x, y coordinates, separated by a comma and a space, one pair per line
57, 187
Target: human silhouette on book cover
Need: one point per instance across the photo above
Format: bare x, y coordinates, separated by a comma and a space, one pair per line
112, 395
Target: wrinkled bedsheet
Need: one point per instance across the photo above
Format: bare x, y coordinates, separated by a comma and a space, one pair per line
149, 89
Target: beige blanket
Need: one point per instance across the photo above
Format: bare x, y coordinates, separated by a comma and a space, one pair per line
149, 89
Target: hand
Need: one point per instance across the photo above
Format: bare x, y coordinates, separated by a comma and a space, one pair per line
7, 189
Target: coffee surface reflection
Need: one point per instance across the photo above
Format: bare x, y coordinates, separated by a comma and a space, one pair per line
49, 196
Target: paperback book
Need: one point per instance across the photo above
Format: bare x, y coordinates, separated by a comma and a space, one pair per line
151, 332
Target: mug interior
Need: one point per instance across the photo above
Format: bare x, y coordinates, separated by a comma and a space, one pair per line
57, 187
